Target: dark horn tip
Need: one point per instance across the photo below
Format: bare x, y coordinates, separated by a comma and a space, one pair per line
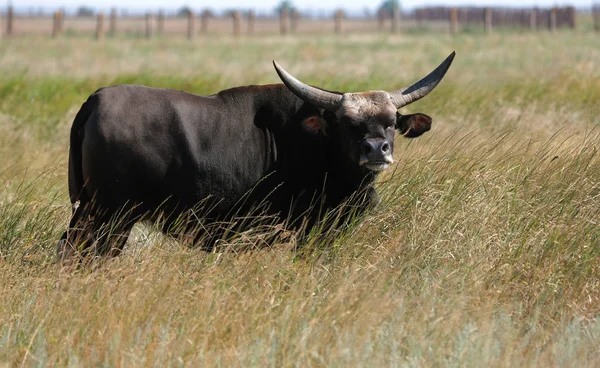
446, 63
450, 57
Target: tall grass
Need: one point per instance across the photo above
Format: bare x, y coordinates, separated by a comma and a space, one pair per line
485, 249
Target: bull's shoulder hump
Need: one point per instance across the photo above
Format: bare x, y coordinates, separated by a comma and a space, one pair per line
146, 94
145, 91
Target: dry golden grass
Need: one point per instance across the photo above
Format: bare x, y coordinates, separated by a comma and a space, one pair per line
485, 250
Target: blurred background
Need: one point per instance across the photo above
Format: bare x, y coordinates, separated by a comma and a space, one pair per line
152, 18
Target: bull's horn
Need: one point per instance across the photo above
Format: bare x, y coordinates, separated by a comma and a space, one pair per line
407, 95
324, 99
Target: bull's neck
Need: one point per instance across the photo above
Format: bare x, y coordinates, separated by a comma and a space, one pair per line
351, 176
285, 108
277, 109
278, 102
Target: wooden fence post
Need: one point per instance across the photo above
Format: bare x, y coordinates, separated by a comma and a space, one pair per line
148, 25
488, 20
191, 24
338, 19
100, 27
572, 17
204, 21
533, 20
419, 17
160, 22
251, 20
284, 21
61, 21
381, 19
453, 21
552, 24
57, 23
113, 22
10, 18
295, 18
395, 19
237, 23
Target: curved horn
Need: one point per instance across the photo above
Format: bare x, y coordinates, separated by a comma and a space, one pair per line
327, 100
407, 95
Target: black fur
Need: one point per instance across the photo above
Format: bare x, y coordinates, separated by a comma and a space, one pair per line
143, 153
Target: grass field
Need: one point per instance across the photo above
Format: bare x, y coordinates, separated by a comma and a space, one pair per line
484, 252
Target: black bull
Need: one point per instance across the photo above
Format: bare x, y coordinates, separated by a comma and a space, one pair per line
289, 150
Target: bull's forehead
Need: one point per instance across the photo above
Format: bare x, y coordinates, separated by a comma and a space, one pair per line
364, 106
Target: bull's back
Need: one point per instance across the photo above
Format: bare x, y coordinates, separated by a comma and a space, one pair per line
149, 146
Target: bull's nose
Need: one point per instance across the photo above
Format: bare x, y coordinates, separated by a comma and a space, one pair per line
375, 149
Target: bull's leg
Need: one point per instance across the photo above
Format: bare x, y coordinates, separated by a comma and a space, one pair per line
117, 236
111, 231
94, 232
78, 234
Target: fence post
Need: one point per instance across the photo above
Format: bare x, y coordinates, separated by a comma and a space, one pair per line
338, 19
596, 16
100, 27
10, 17
204, 21
572, 17
488, 20
191, 24
295, 18
395, 19
57, 23
552, 19
381, 19
113, 22
160, 22
419, 17
148, 25
61, 21
237, 23
533, 20
251, 20
453, 21
284, 21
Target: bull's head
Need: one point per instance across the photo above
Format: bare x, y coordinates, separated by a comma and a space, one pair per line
365, 122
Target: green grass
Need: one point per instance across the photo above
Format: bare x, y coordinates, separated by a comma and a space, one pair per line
484, 251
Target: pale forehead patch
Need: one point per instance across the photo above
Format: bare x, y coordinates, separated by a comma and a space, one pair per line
363, 105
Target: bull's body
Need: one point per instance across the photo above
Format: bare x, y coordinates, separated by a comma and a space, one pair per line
149, 152
145, 153
155, 147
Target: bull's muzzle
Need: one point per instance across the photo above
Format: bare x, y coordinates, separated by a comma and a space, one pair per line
376, 154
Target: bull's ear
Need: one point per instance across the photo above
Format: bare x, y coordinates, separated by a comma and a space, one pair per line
412, 126
315, 125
